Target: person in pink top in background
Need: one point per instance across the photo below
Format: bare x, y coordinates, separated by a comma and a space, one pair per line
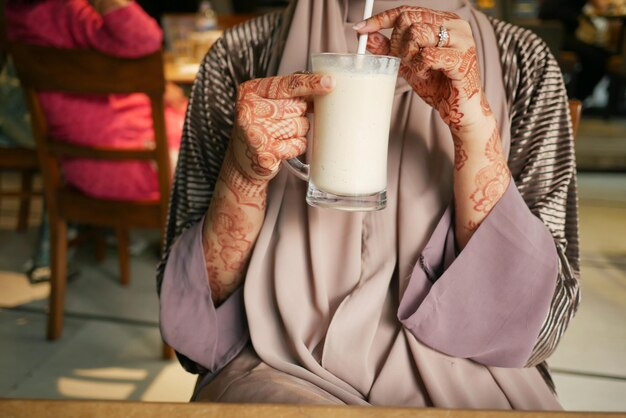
114, 27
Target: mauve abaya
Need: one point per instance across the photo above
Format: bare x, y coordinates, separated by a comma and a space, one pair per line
375, 308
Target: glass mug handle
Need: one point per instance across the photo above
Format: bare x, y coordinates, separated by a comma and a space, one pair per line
298, 168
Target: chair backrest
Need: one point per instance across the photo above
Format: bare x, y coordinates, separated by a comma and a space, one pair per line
575, 109
2, 26
90, 72
14, 157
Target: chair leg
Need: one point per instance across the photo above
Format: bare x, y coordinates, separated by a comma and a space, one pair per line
122, 251
58, 277
0, 191
168, 352
100, 246
616, 84
24, 210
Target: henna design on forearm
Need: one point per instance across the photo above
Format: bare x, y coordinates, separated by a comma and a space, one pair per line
231, 227
491, 181
227, 248
471, 226
228, 234
484, 105
460, 155
210, 262
247, 191
449, 108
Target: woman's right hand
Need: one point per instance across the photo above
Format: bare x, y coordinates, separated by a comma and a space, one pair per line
270, 121
270, 126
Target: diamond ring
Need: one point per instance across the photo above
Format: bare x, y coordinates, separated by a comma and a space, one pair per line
444, 37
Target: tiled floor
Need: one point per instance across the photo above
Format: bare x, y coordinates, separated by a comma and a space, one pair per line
110, 347
600, 144
589, 366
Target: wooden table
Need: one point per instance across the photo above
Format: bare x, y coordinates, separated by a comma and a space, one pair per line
223, 21
185, 72
22, 408
180, 73
181, 67
618, 14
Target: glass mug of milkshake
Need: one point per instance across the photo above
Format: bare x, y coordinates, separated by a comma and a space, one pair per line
348, 155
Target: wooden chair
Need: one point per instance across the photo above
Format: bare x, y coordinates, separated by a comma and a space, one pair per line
24, 161
85, 71
570, 67
575, 108
616, 71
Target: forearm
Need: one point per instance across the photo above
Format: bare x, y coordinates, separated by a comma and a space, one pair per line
481, 174
118, 27
232, 224
270, 127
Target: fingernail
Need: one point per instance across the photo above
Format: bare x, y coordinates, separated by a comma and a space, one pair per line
359, 25
327, 82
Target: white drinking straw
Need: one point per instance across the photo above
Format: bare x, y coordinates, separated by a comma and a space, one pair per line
367, 13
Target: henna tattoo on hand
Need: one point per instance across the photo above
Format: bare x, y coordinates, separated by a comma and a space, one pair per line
469, 71
491, 181
446, 78
410, 14
270, 125
409, 38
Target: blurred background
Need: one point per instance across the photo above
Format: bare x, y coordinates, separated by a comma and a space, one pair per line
110, 347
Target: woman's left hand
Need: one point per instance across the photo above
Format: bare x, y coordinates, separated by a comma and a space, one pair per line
444, 72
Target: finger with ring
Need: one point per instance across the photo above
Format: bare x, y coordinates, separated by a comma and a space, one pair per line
444, 37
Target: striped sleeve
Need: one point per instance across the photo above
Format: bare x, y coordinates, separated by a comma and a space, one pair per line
241, 54
542, 163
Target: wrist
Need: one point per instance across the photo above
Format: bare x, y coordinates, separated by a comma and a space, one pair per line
235, 178
477, 129
474, 117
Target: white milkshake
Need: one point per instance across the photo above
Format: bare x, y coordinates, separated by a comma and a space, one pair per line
347, 167
351, 133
